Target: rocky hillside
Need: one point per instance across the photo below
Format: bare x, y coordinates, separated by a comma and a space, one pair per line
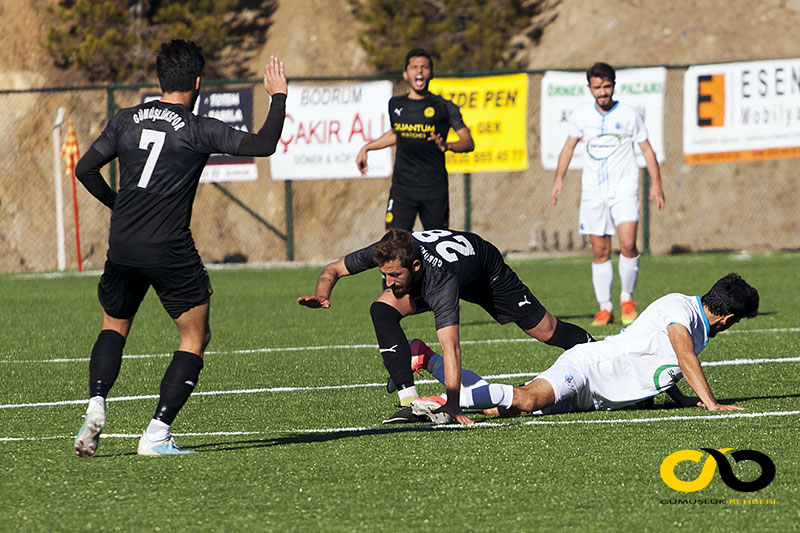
319, 38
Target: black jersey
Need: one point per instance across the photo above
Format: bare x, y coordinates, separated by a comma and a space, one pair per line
162, 149
419, 163
453, 263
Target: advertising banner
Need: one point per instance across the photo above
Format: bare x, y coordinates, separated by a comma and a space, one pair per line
495, 108
741, 111
326, 125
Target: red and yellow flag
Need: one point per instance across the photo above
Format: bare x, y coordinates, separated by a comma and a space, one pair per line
70, 151
71, 155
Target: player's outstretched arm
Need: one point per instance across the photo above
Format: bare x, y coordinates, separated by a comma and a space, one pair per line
325, 283
451, 352
384, 141
265, 142
275, 77
681, 342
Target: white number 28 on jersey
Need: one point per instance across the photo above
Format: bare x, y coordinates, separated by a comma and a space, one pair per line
446, 248
152, 140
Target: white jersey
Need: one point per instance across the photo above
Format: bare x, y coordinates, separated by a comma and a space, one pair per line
610, 163
640, 361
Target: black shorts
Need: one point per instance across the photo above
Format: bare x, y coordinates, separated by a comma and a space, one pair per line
122, 288
403, 207
506, 299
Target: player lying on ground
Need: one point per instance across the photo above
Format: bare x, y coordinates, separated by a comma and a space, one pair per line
431, 271
648, 357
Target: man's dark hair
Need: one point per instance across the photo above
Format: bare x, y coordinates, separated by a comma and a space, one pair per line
397, 244
418, 52
178, 65
732, 295
604, 71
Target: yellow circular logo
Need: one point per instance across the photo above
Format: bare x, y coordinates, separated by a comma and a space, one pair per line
389, 216
428, 112
700, 482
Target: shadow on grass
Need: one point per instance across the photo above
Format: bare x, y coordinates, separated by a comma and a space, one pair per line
311, 438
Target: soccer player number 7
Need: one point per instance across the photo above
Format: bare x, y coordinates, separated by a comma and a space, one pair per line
155, 139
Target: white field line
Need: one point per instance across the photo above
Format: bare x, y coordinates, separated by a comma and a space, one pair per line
493, 377
287, 349
418, 427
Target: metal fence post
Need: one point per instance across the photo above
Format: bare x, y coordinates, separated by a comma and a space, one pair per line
467, 201
112, 168
287, 187
646, 212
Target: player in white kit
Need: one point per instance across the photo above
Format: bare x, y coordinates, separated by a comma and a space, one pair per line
648, 357
609, 186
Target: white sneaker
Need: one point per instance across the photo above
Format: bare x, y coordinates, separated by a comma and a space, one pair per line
88, 437
427, 406
161, 447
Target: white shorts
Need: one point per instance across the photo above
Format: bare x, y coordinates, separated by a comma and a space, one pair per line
570, 387
600, 215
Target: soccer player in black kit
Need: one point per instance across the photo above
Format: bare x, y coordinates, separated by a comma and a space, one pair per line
162, 148
420, 123
430, 271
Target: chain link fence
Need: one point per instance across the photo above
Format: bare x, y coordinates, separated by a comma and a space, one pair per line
721, 206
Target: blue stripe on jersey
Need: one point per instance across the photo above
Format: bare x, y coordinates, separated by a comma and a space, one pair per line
703, 314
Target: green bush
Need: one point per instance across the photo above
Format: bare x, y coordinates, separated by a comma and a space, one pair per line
115, 40
463, 35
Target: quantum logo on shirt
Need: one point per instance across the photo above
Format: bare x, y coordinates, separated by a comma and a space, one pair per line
602, 146
413, 131
429, 112
714, 458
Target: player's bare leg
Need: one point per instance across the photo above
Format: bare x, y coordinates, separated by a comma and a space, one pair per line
179, 381
533, 396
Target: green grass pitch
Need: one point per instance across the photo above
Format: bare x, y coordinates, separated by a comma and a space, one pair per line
286, 417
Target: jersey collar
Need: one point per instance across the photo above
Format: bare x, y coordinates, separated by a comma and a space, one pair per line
607, 112
703, 314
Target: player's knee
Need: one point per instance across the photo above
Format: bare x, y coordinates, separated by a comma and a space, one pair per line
382, 313
206, 338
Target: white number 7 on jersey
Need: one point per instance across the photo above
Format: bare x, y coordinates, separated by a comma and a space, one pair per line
156, 139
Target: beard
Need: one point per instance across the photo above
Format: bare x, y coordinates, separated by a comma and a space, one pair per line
400, 290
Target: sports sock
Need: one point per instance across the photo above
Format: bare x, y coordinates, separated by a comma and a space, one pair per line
157, 430
178, 383
567, 335
94, 401
407, 395
105, 362
628, 274
392, 344
602, 278
475, 391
